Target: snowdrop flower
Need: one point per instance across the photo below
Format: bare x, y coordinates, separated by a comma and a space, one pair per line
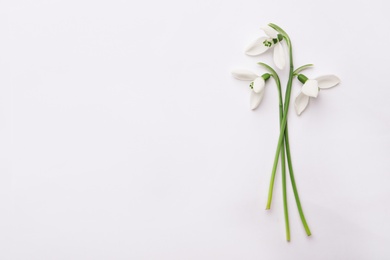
257, 85
311, 88
263, 44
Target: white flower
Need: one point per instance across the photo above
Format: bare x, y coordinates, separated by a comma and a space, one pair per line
311, 88
257, 85
263, 44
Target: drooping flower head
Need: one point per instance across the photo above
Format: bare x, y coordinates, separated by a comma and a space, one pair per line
257, 85
263, 44
311, 88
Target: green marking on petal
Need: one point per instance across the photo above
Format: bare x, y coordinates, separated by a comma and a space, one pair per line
267, 43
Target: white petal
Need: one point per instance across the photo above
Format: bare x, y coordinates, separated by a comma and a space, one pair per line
257, 47
258, 85
279, 56
244, 75
271, 32
301, 102
327, 81
256, 99
310, 88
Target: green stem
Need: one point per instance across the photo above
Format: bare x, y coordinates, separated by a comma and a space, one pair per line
283, 158
284, 141
302, 68
294, 186
282, 153
285, 206
283, 124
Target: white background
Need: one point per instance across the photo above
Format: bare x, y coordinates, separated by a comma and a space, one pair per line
123, 134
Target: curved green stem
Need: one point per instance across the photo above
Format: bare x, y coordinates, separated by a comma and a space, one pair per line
284, 185
282, 153
283, 158
302, 68
284, 134
284, 120
294, 186
283, 141
277, 28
